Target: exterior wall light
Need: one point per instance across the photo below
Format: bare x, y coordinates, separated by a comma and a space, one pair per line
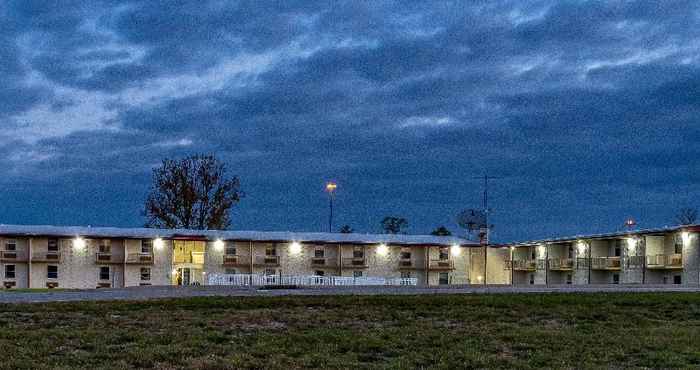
581, 247
686, 237
382, 249
295, 248
455, 250
219, 245
158, 243
542, 250
79, 243
631, 244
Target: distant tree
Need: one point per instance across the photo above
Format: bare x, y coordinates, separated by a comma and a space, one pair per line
687, 216
471, 220
346, 230
441, 231
192, 193
394, 225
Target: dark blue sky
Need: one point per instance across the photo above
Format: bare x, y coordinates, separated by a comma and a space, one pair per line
589, 111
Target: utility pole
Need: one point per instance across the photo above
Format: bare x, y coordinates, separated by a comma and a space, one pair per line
330, 188
485, 238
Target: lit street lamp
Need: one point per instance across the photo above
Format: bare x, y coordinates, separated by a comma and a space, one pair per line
330, 189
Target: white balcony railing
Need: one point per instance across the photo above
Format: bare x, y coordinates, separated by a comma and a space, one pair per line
262, 280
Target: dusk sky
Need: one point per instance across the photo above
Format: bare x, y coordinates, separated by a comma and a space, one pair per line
588, 111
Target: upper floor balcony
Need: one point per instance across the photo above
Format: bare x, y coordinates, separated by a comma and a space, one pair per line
441, 264
47, 256
521, 265
13, 256
606, 263
410, 264
140, 258
321, 262
665, 261
560, 264
355, 262
107, 257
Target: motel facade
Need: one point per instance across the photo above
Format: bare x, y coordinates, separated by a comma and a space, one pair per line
99, 257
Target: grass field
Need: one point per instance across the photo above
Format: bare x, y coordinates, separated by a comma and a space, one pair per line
524, 331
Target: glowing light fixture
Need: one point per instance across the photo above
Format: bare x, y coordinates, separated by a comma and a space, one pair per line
219, 245
79, 243
382, 249
631, 243
581, 246
158, 243
686, 237
455, 250
479, 278
542, 250
295, 248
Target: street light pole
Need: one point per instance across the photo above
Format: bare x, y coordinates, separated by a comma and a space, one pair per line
330, 188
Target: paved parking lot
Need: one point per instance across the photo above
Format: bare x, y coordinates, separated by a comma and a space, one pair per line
142, 293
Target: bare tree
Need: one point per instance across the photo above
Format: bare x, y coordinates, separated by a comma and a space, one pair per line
394, 225
687, 216
346, 230
471, 220
192, 193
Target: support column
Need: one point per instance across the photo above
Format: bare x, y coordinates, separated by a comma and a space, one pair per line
427, 265
339, 258
29, 263
252, 258
546, 264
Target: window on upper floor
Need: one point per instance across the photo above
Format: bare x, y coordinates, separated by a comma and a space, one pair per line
271, 250
52, 272
444, 278
104, 272
319, 252
358, 252
105, 246
357, 274
145, 274
147, 246
444, 253
10, 245
9, 271
678, 244
405, 254
230, 249
52, 245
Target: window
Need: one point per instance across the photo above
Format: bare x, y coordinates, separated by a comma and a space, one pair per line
676, 279
358, 252
568, 278
533, 253
269, 272
678, 244
231, 272
618, 251
616, 278
319, 273
532, 279
105, 246
145, 274
319, 253
9, 271
147, 246
230, 249
10, 245
357, 274
405, 254
405, 274
53, 245
570, 253
52, 272
444, 278
444, 253
104, 272
271, 251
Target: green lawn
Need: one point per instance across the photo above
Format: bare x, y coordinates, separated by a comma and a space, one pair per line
523, 331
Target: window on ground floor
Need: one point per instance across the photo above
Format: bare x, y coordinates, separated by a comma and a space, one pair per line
9, 271
568, 278
319, 273
52, 272
532, 279
104, 272
616, 278
405, 274
444, 278
145, 274
357, 274
676, 279
269, 272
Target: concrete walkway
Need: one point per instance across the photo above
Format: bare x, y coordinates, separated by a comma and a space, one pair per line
155, 292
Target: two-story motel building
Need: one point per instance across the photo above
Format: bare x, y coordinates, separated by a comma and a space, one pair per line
95, 257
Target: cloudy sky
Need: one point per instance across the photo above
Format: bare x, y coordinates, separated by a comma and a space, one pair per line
588, 111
